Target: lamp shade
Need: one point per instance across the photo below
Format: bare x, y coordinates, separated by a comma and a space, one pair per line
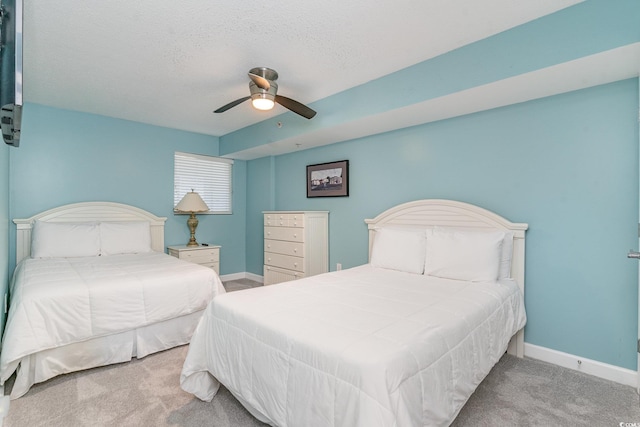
192, 202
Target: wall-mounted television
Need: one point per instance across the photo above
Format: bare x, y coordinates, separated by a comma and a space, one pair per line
11, 71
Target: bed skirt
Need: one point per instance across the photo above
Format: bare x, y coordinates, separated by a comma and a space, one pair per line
107, 350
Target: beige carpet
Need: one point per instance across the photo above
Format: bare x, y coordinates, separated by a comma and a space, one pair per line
146, 392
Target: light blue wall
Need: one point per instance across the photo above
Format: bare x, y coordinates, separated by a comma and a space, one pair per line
68, 157
260, 197
567, 165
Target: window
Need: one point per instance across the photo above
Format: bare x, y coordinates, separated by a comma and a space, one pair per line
206, 175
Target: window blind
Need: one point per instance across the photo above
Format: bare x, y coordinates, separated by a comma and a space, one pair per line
206, 175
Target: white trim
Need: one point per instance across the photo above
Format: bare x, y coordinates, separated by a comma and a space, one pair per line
582, 364
254, 277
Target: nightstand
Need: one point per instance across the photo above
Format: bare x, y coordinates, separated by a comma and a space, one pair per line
209, 256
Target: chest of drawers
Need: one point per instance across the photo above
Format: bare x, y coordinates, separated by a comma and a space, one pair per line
296, 245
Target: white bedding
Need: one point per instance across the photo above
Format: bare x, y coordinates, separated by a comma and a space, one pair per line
61, 301
360, 347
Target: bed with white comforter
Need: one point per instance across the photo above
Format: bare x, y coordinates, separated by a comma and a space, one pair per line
361, 347
70, 311
397, 342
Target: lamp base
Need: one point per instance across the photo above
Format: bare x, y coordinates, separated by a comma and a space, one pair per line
192, 223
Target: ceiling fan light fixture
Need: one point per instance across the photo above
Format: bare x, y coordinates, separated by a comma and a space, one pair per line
264, 94
262, 103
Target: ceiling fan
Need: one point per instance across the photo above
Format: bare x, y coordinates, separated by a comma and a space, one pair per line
264, 89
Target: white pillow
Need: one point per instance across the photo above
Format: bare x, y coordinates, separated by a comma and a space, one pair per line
125, 237
464, 255
64, 240
399, 249
506, 253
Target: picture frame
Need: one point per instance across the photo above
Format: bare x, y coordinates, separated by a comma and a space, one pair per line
328, 179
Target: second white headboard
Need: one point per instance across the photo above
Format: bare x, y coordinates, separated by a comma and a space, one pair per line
87, 212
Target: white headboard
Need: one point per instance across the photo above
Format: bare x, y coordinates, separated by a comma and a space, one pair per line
86, 212
448, 213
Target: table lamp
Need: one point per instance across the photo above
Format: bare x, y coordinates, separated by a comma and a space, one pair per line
192, 203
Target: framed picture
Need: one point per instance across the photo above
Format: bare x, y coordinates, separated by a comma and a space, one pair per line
328, 179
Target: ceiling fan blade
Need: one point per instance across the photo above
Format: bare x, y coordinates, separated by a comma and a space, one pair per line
231, 104
260, 81
295, 106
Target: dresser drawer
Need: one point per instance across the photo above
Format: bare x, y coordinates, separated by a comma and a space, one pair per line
284, 220
276, 220
284, 233
284, 261
284, 247
201, 256
296, 220
273, 275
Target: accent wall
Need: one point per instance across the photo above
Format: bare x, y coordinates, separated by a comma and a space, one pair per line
567, 165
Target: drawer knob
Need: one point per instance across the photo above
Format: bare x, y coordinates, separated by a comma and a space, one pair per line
295, 264
280, 222
295, 250
268, 233
269, 246
269, 259
295, 235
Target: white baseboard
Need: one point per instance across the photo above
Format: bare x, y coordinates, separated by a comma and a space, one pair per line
242, 275
254, 277
588, 366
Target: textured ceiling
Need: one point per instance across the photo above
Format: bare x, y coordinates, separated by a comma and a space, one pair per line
172, 63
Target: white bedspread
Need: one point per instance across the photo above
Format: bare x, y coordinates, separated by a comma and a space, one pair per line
359, 347
59, 301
